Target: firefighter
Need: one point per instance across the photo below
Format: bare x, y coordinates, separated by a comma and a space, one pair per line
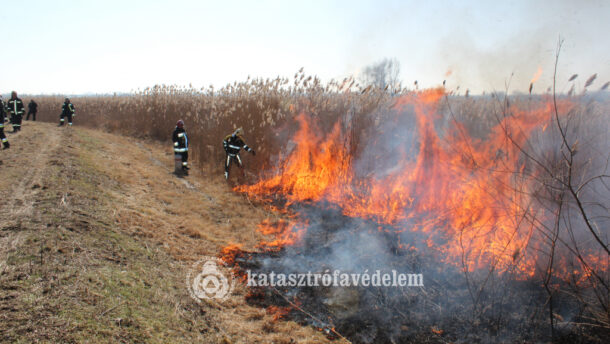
5, 144
67, 110
232, 144
181, 144
15, 109
32, 110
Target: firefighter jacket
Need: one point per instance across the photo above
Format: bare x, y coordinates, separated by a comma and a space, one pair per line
67, 109
234, 143
2, 113
15, 106
181, 141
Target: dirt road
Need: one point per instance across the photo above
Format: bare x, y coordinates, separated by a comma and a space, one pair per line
96, 238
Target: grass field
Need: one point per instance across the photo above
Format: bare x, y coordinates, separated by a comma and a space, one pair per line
97, 236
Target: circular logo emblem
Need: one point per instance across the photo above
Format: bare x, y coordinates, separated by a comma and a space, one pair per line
208, 278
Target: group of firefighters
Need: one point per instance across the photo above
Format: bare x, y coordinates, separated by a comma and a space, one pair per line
14, 110
232, 144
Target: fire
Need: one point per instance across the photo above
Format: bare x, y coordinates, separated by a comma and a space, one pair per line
283, 231
467, 197
299, 179
278, 312
536, 76
229, 253
436, 330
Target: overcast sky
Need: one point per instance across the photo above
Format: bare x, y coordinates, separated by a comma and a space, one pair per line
105, 46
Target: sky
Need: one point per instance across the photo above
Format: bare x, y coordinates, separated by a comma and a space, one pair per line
77, 47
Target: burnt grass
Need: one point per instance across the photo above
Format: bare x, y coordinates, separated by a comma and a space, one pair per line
486, 307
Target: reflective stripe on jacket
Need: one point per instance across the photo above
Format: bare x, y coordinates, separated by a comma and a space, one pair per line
181, 141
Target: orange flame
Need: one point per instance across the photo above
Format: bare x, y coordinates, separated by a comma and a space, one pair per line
229, 253
284, 233
536, 76
467, 195
278, 312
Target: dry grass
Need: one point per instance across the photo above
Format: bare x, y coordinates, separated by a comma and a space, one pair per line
189, 218
103, 255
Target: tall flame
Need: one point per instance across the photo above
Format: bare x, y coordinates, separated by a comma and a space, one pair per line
468, 196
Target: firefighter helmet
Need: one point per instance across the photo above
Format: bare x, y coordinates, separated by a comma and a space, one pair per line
180, 124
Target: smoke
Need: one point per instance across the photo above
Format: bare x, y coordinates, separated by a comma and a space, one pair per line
507, 66
487, 46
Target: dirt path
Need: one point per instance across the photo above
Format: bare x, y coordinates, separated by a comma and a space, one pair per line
39, 151
96, 238
22, 168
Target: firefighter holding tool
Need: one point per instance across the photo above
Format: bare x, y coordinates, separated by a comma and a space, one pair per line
233, 143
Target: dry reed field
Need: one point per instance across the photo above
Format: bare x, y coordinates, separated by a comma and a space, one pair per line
507, 196
263, 108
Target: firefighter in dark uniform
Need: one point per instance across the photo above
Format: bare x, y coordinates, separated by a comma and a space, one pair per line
67, 110
16, 110
32, 110
181, 144
232, 144
5, 144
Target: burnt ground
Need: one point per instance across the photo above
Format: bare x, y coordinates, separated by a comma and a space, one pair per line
97, 236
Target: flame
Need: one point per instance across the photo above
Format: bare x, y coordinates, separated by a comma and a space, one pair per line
229, 253
283, 231
536, 76
436, 330
466, 196
278, 312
